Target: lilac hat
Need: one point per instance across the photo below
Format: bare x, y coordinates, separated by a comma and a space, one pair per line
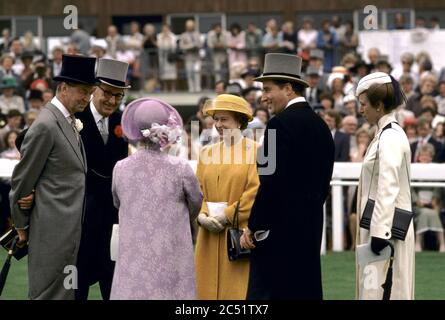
149, 118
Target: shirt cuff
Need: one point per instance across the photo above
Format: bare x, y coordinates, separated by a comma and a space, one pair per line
261, 235
24, 228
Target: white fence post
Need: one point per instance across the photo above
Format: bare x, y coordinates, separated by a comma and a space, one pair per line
323, 238
337, 218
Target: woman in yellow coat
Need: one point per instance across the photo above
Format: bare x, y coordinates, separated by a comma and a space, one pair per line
227, 173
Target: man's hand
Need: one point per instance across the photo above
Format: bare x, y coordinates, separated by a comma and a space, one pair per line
23, 236
26, 203
246, 240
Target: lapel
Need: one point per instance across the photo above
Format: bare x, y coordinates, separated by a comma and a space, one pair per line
68, 132
113, 121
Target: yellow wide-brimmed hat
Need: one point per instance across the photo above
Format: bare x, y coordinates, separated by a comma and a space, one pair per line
228, 102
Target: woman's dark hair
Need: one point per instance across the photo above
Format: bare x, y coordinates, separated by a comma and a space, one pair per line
264, 110
188, 125
390, 94
335, 115
242, 119
234, 26
202, 101
296, 87
430, 110
5, 139
326, 95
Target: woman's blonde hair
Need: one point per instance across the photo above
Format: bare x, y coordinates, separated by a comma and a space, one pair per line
428, 148
363, 131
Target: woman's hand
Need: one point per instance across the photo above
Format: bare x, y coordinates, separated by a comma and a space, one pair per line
210, 223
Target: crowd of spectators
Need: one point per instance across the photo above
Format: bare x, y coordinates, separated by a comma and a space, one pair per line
228, 62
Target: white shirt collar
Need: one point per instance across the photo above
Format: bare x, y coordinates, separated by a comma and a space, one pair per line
295, 100
59, 105
97, 116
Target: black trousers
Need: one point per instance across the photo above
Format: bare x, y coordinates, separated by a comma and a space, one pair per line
91, 270
93, 260
105, 280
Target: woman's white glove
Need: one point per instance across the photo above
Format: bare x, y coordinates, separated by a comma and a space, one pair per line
222, 219
210, 223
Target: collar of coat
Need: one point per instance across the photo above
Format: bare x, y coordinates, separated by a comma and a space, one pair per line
384, 121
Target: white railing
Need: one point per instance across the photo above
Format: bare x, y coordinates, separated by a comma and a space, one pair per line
344, 174
6, 167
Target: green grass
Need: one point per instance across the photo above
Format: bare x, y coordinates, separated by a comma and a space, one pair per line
338, 277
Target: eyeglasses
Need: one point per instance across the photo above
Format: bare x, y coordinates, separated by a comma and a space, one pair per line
109, 94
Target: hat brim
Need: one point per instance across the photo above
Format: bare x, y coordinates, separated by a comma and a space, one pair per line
211, 112
78, 81
113, 85
281, 77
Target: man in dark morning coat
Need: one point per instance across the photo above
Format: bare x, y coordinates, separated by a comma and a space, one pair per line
104, 146
286, 221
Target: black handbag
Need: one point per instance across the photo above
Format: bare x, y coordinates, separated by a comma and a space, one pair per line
402, 218
6, 241
234, 250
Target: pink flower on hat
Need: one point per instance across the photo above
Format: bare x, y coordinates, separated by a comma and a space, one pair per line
165, 134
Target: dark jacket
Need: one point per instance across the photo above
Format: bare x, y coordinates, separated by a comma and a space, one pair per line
100, 213
342, 142
438, 154
289, 203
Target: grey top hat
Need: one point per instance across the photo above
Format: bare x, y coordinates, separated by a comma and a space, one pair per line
312, 71
281, 66
112, 73
316, 54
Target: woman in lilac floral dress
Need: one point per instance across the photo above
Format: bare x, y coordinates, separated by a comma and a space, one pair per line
157, 195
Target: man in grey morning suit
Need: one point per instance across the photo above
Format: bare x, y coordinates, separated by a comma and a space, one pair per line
54, 165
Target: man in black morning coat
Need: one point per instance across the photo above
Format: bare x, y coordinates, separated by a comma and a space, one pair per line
104, 146
286, 220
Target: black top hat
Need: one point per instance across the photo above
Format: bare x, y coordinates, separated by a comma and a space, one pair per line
361, 63
312, 71
250, 72
35, 94
77, 69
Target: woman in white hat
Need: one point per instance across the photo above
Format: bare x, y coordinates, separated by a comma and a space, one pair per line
385, 178
227, 173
